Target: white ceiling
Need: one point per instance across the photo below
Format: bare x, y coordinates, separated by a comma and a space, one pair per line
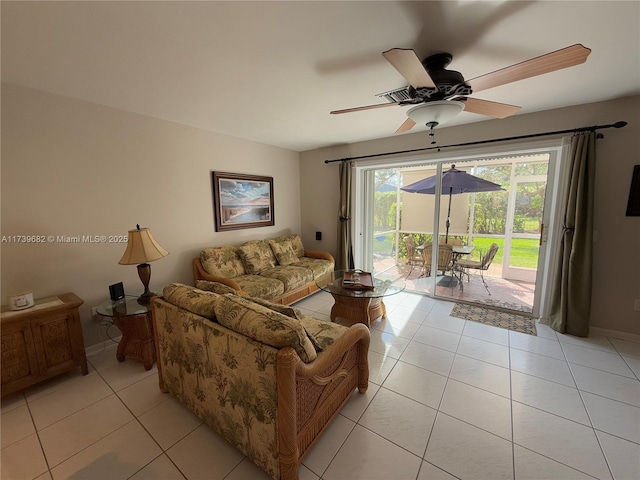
271, 71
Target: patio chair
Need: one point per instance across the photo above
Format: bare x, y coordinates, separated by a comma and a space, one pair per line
445, 256
452, 241
482, 265
414, 258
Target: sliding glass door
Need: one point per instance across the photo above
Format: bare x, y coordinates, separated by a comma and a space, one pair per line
513, 219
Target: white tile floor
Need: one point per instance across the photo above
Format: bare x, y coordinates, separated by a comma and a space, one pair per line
448, 399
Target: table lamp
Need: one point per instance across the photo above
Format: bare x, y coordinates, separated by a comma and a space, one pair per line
141, 249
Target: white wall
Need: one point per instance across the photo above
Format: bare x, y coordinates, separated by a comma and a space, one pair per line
616, 274
75, 168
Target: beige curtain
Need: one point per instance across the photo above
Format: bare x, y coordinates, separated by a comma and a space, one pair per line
571, 300
345, 250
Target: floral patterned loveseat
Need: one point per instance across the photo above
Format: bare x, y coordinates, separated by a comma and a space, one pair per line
265, 377
278, 269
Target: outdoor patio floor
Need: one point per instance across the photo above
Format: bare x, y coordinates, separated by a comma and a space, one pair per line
511, 294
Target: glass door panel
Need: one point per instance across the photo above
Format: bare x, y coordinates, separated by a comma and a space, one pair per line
384, 243
523, 237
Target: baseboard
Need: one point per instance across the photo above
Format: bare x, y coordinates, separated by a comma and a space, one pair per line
100, 347
605, 332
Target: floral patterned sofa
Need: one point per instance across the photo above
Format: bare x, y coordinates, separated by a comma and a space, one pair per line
265, 377
278, 269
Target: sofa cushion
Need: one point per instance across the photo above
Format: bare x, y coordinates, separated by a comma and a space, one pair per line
259, 286
264, 325
321, 333
256, 256
318, 266
292, 276
192, 299
283, 251
215, 287
222, 261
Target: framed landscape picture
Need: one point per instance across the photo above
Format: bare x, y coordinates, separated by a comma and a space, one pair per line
242, 201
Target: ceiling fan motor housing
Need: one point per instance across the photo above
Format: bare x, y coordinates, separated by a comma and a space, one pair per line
448, 82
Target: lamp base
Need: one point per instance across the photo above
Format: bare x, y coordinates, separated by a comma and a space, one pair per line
144, 272
145, 298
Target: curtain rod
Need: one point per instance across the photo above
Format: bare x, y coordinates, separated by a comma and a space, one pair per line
479, 142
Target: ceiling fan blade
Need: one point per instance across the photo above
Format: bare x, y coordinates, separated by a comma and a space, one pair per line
366, 107
406, 126
550, 62
407, 63
491, 109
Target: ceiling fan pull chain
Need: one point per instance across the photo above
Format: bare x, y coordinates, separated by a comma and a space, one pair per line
432, 126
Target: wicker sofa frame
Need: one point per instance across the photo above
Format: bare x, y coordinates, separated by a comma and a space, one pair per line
309, 395
287, 298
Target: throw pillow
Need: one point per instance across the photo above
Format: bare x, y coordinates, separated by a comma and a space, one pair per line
278, 307
222, 262
284, 252
295, 241
264, 325
215, 287
256, 257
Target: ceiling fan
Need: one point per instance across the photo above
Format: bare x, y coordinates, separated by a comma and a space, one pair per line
439, 94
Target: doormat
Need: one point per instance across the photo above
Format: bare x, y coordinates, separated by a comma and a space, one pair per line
518, 307
495, 318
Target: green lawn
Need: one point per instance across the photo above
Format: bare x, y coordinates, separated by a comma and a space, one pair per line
524, 252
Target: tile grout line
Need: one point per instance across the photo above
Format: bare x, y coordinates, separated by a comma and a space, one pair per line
604, 456
162, 450
46, 460
448, 376
514, 443
438, 412
513, 436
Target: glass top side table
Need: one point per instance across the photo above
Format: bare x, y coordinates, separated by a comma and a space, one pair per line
134, 321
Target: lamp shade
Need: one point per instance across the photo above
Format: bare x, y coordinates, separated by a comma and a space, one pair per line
142, 248
440, 112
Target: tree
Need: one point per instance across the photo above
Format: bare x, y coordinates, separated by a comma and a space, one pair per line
384, 176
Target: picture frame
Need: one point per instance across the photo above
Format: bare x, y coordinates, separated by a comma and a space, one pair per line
242, 201
633, 204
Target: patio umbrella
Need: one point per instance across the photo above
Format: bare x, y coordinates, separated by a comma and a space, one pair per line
453, 182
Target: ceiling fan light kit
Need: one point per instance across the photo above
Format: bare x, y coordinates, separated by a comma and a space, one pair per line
437, 112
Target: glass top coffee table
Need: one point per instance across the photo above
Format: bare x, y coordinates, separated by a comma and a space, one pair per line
360, 306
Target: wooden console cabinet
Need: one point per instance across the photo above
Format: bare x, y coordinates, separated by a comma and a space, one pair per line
41, 342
